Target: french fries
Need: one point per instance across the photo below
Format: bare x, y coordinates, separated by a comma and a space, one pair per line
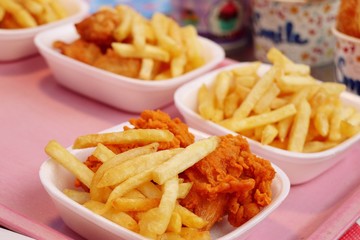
30, 13
138, 189
284, 108
165, 48
70, 162
178, 163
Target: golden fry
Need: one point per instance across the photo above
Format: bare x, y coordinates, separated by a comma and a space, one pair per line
127, 169
255, 94
149, 51
188, 157
300, 127
259, 120
102, 194
144, 136
156, 220
78, 196
20, 14
70, 162
135, 204
147, 65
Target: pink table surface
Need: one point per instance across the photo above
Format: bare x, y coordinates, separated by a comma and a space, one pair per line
35, 109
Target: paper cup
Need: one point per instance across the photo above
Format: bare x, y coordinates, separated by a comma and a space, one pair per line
302, 31
347, 60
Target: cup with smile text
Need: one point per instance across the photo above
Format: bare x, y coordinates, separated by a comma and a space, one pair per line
300, 29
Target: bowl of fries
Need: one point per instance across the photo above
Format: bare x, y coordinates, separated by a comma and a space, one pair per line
22, 20
303, 125
90, 220
131, 75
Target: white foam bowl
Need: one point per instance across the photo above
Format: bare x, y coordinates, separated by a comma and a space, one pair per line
19, 43
55, 178
300, 167
121, 92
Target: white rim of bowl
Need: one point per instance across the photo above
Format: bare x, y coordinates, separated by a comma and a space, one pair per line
344, 36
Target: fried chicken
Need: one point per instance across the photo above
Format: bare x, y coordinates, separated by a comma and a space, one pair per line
98, 28
348, 19
91, 54
160, 120
229, 181
80, 50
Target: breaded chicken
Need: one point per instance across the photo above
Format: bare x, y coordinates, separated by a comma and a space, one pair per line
91, 54
80, 50
348, 18
229, 181
99, 27
161, 120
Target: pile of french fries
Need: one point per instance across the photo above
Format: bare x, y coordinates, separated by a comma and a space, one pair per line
30, 13
138, 189
166, 49
285, 108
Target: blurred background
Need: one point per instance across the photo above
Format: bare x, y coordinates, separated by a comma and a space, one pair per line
246, 29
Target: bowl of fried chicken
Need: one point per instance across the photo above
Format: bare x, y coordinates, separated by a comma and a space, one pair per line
229, 190
120, 58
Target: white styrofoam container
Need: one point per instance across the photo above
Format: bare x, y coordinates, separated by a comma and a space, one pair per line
55, 178
19, 43
129, 94
300, 167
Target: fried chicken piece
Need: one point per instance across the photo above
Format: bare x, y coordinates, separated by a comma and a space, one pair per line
98, 28
348, 18
9, 22
80, 50
112, 62
161, 120
229, 181
91, 54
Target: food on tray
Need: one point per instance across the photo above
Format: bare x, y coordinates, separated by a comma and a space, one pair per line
122, 41
284, 108
29, 13
156, 180
348, 18
229, 181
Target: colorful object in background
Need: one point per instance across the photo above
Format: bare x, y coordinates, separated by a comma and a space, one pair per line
302, 31
224, 21
347, 60
146, 7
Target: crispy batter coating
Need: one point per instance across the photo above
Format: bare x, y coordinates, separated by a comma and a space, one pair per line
98, 28
229, 181
160, 120
348, 19
80, 50
91, 54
